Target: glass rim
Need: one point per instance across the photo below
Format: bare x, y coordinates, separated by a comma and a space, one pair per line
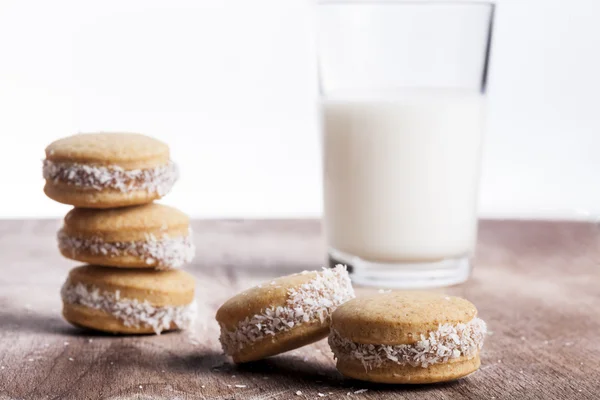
489, 3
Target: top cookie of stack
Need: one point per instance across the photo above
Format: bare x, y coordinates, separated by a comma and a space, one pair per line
108, 170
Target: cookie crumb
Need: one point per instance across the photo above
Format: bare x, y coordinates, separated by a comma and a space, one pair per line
141, 387
361, 391
298, 393
71, 359
321, 394
240, 386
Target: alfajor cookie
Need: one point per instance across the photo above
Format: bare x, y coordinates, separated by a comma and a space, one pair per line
104, 170
147, 236
407, 337
128, 300
283, 314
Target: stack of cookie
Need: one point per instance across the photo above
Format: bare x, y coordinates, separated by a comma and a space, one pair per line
133, 246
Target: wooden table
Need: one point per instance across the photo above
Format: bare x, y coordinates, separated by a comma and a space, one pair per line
537, 284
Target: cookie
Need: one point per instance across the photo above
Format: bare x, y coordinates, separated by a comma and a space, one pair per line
104, 170
283, 314
407, 337
148, 236
129, 301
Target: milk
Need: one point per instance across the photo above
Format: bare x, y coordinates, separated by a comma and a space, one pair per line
401, 174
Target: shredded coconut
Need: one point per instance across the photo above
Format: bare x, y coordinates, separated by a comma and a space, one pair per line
167, 252
131, 311
439, 346
154, 180
312, 301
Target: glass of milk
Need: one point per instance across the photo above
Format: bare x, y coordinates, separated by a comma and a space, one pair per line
402, 96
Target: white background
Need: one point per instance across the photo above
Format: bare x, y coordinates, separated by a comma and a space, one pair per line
230, 85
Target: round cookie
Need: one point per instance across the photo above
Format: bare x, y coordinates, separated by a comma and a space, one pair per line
147, 236
105, 170
129, 301
407, 337
281, 315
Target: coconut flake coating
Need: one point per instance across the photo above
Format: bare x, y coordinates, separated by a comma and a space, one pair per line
97, 177
167, 252
131, 311
439, 346
312, 301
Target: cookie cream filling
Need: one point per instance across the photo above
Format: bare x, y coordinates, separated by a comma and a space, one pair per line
439, 346
166, 252
313, 301
154, 180
131, 311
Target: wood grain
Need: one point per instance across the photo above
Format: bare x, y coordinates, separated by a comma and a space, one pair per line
537, 284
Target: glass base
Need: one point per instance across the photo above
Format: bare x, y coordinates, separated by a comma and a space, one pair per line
404, 275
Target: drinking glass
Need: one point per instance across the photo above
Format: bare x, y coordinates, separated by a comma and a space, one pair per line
402, 95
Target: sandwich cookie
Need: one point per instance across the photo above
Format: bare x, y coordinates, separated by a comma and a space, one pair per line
283, 314
148, 236
104, 170
128, 300
407, 337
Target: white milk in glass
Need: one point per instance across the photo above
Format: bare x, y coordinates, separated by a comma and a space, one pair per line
401, 174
